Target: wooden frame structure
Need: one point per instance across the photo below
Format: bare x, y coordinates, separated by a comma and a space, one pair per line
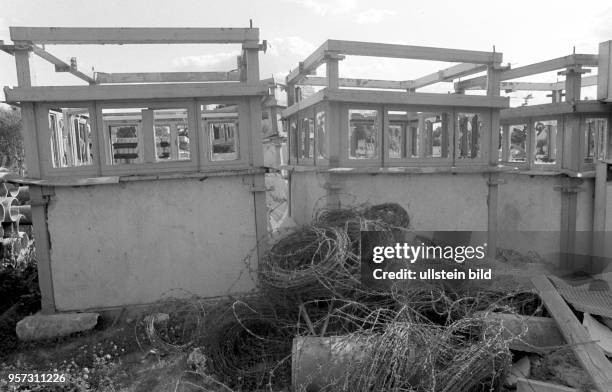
448, 133
340, 94
582, 132
577, 145
108, 92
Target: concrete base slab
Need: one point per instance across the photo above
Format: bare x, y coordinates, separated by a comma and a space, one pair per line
48, 326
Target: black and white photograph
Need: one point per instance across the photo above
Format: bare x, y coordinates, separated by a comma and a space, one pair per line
305, 196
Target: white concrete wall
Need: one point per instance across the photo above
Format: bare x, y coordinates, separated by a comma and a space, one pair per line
435, 202
529, 214
307, 195
129, 243
529, 207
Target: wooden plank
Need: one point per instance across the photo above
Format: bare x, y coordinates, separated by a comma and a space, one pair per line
585, 81
544, 66
471, 84
423, 99
165, 77
533, 69
363, 83
148, 91
446, 74
62, 66
132, 35
357, 48
604, 70
527, 385
309, 64
548, 109
589, 354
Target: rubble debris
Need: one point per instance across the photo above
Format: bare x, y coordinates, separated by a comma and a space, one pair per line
530, 333
599, 333
49, 326
588, 352
519, 369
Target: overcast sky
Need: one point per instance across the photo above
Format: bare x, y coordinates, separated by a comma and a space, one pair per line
524, 31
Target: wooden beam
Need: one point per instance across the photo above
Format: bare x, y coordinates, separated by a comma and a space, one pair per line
10, 49
165, 77
479, 83
450, 73
589, 354
357, 48
132, 35
397, 98
587, 60
528, 385
423, 99
310, 64
145, 91
62, 66
550, 65
358, 83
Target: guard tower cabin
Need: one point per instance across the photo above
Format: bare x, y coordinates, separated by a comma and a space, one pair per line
549, 155
142, 182
358, 140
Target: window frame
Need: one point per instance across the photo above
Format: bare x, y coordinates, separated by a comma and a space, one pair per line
43, 139
293, 139
596, 150
484, 139
438, 161
147, 167
244, 138
344, 135
559, 143
306, 113
506, 143
322, 107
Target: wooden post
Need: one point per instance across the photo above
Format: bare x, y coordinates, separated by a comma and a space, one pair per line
573, 83
493, 81
258, 185
148, 136
37, 200
334, 181
599, 209
332, 71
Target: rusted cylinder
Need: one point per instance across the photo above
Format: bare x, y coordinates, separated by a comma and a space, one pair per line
24, 214
317, 363
10, 213
22, 194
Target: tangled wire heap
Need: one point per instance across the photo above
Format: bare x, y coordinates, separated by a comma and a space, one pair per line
248, 346
426, 337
